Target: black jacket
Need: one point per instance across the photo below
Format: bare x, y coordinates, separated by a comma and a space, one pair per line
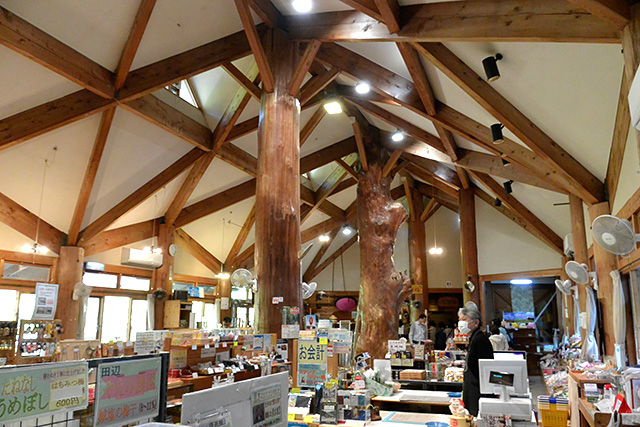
479, 348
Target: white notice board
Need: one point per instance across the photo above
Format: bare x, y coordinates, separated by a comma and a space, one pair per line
237, 399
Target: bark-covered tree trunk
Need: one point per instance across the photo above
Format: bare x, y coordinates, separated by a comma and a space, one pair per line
382, 287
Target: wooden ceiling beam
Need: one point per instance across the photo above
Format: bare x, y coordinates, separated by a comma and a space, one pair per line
141, 194
408, 186
118, 237
265, 9
587, 185
434, 190
152, 77
268, 82
429, 210
437, 169
328, 186
368, 7
348, 168
345, 184
28, 224
327, 155
319, 255
30, 41
90, 175
316, 84
619, 141
247, 82
613, 12
50, 116
241, 238
303, 66
135, 37
548, 236
198, 251
334, 256
391, 163
478, 21
419, 76
311, 124
390, 11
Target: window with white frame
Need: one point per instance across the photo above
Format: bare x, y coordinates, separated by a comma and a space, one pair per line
115, 318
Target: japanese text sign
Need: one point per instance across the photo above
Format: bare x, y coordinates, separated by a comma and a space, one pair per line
312, 352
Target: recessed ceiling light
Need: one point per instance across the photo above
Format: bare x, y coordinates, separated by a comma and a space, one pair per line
347, 230
302, 6
521, 281
397, 136
324, 238
333, 107
362, 88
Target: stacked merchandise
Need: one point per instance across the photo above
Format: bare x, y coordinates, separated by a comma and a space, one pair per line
353, 405
413, 374
557, 382
454, 374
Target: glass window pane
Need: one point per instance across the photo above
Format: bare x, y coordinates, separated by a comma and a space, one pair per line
100, 280
25, 272
135, 283
197, 307
241, 314
25, 308
115, 319
251, 314
210, 316
180, 286
91, 322
8, 300
139, 309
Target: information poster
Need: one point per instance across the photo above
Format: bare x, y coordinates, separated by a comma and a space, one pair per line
266, 406
46, 301
290, 331
42, 390
312, 363
127, 392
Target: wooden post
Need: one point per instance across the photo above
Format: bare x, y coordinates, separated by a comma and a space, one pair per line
568, 309
605, 263
469, 245
382, 287
225, 292
580, 250
418, 253
278, 192
69, 273
161, 277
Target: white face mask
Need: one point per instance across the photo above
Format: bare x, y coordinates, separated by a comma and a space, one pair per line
463, 326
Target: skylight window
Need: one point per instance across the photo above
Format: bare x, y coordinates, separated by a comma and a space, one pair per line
183, 90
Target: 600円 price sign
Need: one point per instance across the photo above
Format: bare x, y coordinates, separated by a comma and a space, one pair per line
38, 390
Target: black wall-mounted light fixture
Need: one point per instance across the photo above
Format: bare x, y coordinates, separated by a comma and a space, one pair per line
497, 203
490, 65
507, 186
496, 133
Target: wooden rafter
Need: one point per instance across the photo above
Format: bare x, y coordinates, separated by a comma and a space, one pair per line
329, 185
181, 198
367, 7
619, 141
118, 237
345, 184
27, 223
614, 12
198, 251
135, 36
265, 9
327, 262
584, 183
545, 233
327, 155
90, 175
303, 67
141, 194
311, 124
429, 210
408, 186
348, 168
246, 81
432, 188
241, 238
419, 76
319, 255
253, 37
478, 21
28, 40
390, 11
317, 84
437, 169
391, 163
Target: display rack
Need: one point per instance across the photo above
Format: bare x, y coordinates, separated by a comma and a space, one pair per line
8, 337
37, 341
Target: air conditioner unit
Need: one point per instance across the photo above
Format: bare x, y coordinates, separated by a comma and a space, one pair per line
568, 245
634, 101
140, 258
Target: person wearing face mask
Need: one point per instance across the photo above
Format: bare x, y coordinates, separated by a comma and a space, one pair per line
470, 322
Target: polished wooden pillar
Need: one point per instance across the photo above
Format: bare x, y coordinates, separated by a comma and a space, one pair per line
580, 250
224, 290
418, 253
162, 275
278, 192
469, 245
605, 263
69, 272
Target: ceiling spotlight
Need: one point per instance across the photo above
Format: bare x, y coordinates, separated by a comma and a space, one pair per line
435, 250
506, 162
490, 65
397, 136
507, 186
496, 133
302, 6
324, 238
497, 203
333, 107
346, 230
521, 281
362, 88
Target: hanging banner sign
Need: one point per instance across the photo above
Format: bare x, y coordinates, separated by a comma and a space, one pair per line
40, 390
127, 392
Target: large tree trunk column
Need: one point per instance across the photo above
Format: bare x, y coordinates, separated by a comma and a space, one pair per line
382, 287
278, 193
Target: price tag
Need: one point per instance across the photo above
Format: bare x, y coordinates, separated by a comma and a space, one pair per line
295, 390
194, 347
291, 417
235, 343
224, 345
206, 346
324, 341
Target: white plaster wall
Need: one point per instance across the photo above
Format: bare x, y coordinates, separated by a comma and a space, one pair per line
448, 266
629, 174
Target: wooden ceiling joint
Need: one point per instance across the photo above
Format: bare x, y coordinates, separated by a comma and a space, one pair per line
268, 81
199, 252
249, 83
303, 66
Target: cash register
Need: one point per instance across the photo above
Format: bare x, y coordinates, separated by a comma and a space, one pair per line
507, 379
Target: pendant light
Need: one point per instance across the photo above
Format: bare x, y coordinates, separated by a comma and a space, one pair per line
37, 248
223, 274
